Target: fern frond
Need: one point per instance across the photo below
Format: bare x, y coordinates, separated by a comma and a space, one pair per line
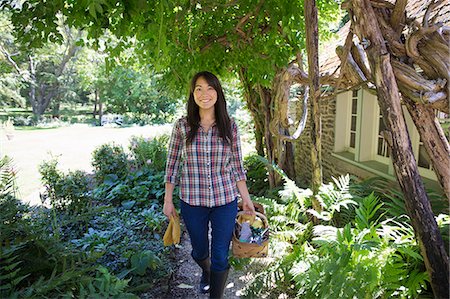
7, 178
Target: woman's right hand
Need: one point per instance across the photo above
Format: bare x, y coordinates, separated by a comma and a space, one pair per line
169, 209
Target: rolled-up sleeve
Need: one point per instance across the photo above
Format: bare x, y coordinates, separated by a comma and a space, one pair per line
174, 154
236, 155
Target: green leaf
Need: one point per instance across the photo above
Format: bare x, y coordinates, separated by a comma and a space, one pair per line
128, 204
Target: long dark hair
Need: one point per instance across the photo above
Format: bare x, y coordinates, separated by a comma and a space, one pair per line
223, 122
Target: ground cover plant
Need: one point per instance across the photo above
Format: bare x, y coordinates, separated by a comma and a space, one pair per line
101, 236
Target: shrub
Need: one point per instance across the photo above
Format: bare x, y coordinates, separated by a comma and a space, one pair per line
137, 187
150, 152
35, 264
67, 192
109, 159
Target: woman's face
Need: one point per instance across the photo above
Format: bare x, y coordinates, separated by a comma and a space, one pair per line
205, 95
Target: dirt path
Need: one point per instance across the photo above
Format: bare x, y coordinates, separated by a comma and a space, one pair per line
184, 281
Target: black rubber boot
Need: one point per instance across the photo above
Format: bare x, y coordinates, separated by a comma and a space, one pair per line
218, 282
204, 280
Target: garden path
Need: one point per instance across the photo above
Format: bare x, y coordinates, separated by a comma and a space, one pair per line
183, 282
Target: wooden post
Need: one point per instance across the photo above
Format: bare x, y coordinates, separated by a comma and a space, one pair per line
416, 200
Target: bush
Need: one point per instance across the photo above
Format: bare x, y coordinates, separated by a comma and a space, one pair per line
66, 192
35, 263
150, 153
138, 188
109, 159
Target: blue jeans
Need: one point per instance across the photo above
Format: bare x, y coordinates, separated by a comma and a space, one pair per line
222, 218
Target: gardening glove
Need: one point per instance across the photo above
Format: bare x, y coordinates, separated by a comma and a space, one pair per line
246, 218
172, 234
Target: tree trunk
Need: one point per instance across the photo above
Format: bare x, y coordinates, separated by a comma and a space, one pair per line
279, 123
312, 45
416, 200
32, 80
56, 108
254, 106
434, 140
100, 111
266, 101
95, 112
286, 156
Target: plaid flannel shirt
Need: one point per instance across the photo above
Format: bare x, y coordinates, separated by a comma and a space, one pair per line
209, 168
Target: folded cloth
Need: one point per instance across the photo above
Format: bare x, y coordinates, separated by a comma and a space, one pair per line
246, 233
172, 234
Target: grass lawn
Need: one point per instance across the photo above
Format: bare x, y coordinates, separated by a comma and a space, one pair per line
73, 145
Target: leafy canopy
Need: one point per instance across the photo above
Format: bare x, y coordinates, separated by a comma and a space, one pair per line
180, 38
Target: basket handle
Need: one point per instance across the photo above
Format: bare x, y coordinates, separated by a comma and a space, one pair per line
258, 207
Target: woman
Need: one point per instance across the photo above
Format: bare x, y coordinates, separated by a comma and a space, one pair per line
205, 150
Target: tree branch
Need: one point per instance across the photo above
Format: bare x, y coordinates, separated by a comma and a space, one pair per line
398, 15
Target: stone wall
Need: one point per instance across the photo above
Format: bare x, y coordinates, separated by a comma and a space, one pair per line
302, 147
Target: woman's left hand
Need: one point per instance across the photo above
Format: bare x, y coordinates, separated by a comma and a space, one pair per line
248, 207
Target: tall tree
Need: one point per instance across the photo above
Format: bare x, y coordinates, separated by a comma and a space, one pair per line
41, 70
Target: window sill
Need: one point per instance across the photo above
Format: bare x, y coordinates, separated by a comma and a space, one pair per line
375, 167
380, 169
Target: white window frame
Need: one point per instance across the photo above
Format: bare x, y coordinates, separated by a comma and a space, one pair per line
366, 141
377, 157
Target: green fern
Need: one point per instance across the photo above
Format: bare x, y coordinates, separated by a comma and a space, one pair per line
370, 259
105, 285
10, 272
8, 187
367, 211
355, 252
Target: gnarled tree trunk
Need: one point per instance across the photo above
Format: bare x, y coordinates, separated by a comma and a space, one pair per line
416, 200
421, 66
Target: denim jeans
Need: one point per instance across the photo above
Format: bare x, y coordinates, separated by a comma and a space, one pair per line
222, 219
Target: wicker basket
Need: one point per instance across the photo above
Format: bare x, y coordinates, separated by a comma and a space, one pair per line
243, 249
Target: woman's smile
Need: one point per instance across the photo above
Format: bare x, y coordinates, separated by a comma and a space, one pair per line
204, 94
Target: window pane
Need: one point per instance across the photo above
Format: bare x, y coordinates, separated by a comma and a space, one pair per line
354, 106
353, 125
381, 126
380, 146
355, 93
352, 139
